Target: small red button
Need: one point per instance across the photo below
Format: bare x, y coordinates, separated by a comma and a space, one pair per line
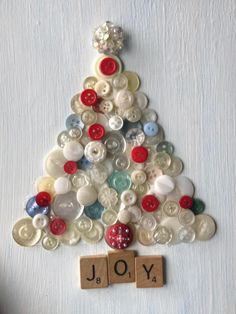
139, 154
57, 226
186, 202
150, 203
88, 97
43, 199
96, 131
108, 66
119, 236
70, 167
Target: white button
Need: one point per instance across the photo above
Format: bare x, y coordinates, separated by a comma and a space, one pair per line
149, 115
120, 81
87, 195
49, 243
162, 235
95, 234
103, 88
106, 106
162, 160
185, 186
79, 179
89, 82
153, 172
62, 185
121, 162
124, 99
140, 100
76, 106
148, 222
172, 223
133, 80
103, 120
54, 163
171, 208
187, 234
95, 152
164, 184
25, 234
98, 173
186, 217
133, 114
107, 197
145, 237
135, 212
89, 117
75, 133
109, 217
128, 197
205, 227
116, 122
71, 236
124, 216
84, 224
73, 151
138, 177
40, 221
175, 168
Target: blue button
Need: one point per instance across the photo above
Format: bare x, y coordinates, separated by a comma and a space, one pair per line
74, 121
150, 128
120, 181
94, 211
84, 163
32, 208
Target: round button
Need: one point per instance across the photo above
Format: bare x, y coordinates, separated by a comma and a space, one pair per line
128, 197
98, 63
148, 115
87, 195
175, 168
43, 199
95, 234
133, 114
186, 202
186, 217
54, 163
45, 184
154, 140
166, 147
70, 167
124, 216
186, 234
205, 227
162, 235
119, 236
63, 138
94, 211
88, 97
107, 197
79, 179
120, 181
148, 222
139, 154
99, 173
114, 142
96, 131
75, 133
25, 234
133, 80
109, 217
116, 123
49, 243
103, 88
57, 226
150, 128
106, 106
73, 151
124, 99
140, 100
153, 172
185, 186
84, 164
32, 208
138, 177
145, 237
162, 160
67, 207
120, 81
40, 221
108, 66
171, 208
89, 117
198, 206
62, 185
141, 189
164, 185
135, 213
74, 121
135, 137
121, 162
71, 236
150, 203
76, 105
84, 224
89, 82
95, 152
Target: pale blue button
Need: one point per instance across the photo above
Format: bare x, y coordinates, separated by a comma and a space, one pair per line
120, 181
32, 208
94, 211
150, 128
74, 121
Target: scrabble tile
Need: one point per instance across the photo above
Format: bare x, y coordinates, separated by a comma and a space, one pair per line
121, 266
93, 272
149, 271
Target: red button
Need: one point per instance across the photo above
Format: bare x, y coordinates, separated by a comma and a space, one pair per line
108, 66
70, 167
57, 226
119, 236
96, 131
43, 199
139, 154
88, 97
186, 202
150, 203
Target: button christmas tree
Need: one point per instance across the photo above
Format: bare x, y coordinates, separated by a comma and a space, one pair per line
112, 174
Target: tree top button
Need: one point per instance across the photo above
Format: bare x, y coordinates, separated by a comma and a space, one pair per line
108, 66
88, 97
96, 131
139, 154
150, 203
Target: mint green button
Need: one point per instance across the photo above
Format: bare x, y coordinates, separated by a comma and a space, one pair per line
120, 181
166, 147
198, 206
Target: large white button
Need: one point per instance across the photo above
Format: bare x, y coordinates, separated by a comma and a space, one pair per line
128, 197
186, 217
89, 117
73, 151
40, 221
205, 227
124, 216
148, 222
135, 212
140, 100
87, 195
54, 163
185, 186
25, 234
95, 151
124, 99
103, 88
62, 185
116, 122
164, 184
120, 81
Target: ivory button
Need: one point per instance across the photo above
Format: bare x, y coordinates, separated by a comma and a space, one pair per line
87, 195
62, 185
185, 186
73, 151
124, 216
164, 184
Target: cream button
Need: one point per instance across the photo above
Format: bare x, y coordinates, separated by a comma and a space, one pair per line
124, 99
133, 80
54, 163
145, 237
109, 217
87, 195
162, 235
153, 172
89, 82
171, 208
172, 223
162, 160
79, 179
89, 117
205, 227
95, 234
185, 186
99, 173
103, 88
124, 216
164, 184
186, 217
95, 151
71, 236
73, 151
138, 177
40, 221
148, 222
175, 168
116, 123
108, 197
128, 197
45, 184
62, 185
148, 115
140, 100
25, 234
106, 106
187, 234
121, 162
120, 81
76, 106
133, 114
49, 243
84, 224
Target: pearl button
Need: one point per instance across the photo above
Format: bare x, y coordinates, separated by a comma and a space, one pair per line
95, 152
62, 185
128, 197
185, 186
116, 122
124, 216
40, 221
73, 151
164, 184
103, 88
124, 99
87, 195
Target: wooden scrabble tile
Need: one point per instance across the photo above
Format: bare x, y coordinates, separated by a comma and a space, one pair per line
93, 272
121, 266
149, 271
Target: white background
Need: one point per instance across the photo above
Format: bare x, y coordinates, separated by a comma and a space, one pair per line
184, 51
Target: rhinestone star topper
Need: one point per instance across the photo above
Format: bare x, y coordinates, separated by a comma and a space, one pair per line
112, 174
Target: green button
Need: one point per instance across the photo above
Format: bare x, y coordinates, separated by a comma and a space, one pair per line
198, 206
166, 147
120, 181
